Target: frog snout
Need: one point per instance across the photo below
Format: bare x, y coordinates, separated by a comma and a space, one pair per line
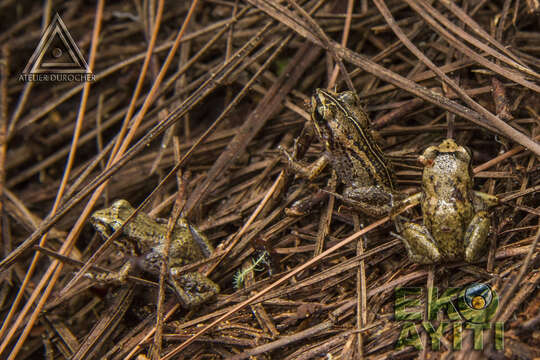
93, 220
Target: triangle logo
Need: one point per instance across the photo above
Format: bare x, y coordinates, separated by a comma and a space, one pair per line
57, 52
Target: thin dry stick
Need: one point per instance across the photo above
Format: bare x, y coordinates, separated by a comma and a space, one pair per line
326, 216
361, 291
4, 76
179, 203
99, 130
429, 284
228, 48
163, 270
37, 290
344, 38
20, 107
155, 350
502, 20
181, 84
45, 20
516, 282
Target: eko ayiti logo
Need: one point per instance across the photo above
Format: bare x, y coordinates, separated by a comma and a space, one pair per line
457, 309
57, 57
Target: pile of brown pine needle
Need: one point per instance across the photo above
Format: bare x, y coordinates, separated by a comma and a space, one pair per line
188, 107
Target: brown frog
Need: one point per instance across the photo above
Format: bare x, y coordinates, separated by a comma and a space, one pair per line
343, 127
144, 238
456, 224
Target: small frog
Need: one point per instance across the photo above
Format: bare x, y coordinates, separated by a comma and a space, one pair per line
456, 224
144, 238
343, 127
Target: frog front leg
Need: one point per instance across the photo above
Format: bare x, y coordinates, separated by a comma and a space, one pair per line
483, 201
476, 236
204, 245
192, 288
310, 171
119, 276
419, 243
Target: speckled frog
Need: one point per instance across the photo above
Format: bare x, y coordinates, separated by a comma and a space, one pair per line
456, 224
144, 238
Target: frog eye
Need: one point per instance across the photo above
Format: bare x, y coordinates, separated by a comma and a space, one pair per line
468, 151
321, 109
464, 154
121, 204
318, 113
429, 154
349, 97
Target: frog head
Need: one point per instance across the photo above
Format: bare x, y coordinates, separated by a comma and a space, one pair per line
108, 220
337, 116
447, 170
321, 113
447, 147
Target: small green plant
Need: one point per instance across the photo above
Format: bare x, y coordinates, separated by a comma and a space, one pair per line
255, 266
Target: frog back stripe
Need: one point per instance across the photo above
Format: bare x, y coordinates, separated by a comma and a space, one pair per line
372, 147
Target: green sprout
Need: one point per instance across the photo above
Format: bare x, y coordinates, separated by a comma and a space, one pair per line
240, 275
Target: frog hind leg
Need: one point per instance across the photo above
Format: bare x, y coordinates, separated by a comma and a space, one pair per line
420, 246
192, 288
476, 236
371, 200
